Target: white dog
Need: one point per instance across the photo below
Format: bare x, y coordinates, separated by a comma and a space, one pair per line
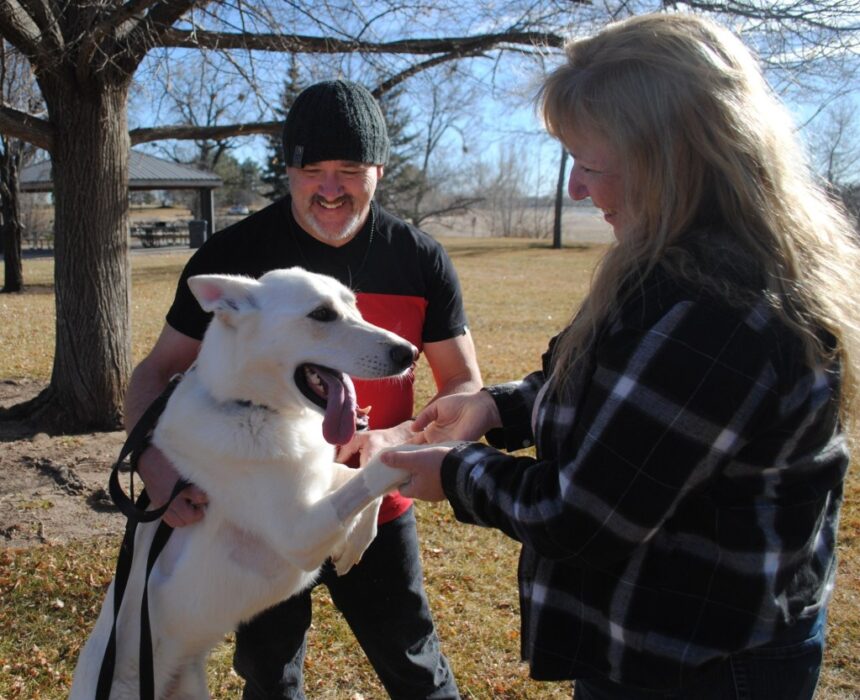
250, 424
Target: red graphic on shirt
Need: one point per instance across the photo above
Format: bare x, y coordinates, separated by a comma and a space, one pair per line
391, 400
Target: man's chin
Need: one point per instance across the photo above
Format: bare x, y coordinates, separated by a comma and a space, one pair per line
333, 233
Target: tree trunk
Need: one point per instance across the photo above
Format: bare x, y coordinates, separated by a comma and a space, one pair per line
559, 200
10, 216
92, 360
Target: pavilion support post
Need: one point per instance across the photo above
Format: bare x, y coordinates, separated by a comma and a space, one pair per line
207, 210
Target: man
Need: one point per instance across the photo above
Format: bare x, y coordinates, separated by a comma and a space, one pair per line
336, 145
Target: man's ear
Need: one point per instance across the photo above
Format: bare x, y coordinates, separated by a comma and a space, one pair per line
380, 171
227, 296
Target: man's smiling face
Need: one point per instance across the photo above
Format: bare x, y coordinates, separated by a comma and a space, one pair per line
331, 198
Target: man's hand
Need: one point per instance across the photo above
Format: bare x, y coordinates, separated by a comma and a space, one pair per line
465, 416
160, 477
367, 443
173, 352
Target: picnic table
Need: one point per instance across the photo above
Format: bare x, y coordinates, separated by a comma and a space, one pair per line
161, 233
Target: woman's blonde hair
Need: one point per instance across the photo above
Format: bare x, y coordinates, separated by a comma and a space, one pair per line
704, 141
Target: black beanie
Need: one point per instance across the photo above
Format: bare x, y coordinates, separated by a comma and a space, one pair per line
335, 120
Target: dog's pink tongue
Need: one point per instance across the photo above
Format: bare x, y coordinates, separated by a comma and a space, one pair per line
339, 420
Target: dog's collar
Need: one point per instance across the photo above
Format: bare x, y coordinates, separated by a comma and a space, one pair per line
243, 403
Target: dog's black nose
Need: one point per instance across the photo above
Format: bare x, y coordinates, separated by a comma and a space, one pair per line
403, 355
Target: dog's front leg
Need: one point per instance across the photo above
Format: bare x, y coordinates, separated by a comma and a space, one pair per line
331, 519
371, 481
348, 550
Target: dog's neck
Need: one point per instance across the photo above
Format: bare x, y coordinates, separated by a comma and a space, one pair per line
229, 402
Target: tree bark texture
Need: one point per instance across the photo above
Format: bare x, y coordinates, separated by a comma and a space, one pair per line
10, 219
92, 359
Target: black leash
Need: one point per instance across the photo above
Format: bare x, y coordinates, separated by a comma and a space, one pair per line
135, 512
137, 441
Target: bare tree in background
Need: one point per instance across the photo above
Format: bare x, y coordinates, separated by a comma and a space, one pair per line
836, 143
836, 146
558, 209
10, 214
17, 88
440, 131
446, 105
200, 91
505, 194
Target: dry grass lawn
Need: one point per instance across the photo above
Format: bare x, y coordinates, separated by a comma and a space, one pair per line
518, 293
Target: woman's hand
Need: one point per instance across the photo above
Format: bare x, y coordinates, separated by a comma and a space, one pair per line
424, 465
454, 417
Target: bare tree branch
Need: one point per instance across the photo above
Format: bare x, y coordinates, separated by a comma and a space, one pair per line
22, 30
187, 131
402, 76
120, 23
813, 14
178, 38
26, 127
164, 14
42, 13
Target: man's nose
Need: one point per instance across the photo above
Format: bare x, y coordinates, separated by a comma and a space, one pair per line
330, 186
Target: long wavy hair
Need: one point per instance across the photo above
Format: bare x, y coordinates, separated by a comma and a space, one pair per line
703, 140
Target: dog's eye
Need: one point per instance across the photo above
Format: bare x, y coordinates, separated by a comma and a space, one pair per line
323, 313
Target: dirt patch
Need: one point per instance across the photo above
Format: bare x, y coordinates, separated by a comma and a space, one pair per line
53, 488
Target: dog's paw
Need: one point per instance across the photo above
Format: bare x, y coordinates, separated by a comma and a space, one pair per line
361, 534
344, 560
348, 554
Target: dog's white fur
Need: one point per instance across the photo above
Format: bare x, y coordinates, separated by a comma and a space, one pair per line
279, 506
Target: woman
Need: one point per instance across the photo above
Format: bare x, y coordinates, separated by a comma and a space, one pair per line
678, 522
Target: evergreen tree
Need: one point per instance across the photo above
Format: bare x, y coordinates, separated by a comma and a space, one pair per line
397, 189
240, 179
274, 173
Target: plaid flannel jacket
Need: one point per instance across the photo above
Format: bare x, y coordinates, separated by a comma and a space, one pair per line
684, 501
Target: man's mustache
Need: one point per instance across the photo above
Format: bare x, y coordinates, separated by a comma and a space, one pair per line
345, 198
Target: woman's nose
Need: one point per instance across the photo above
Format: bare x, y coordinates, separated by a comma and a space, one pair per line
575, 188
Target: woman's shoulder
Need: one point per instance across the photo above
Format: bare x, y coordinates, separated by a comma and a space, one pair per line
745, 334
707, 268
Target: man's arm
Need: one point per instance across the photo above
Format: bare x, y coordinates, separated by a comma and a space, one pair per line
454, 364
172, 353
455, 369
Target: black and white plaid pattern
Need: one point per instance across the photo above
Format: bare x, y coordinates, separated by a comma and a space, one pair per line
684, 501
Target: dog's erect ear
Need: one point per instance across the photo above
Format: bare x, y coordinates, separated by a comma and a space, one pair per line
227, 296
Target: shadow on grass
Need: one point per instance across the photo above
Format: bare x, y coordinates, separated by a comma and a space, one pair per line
499, 247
